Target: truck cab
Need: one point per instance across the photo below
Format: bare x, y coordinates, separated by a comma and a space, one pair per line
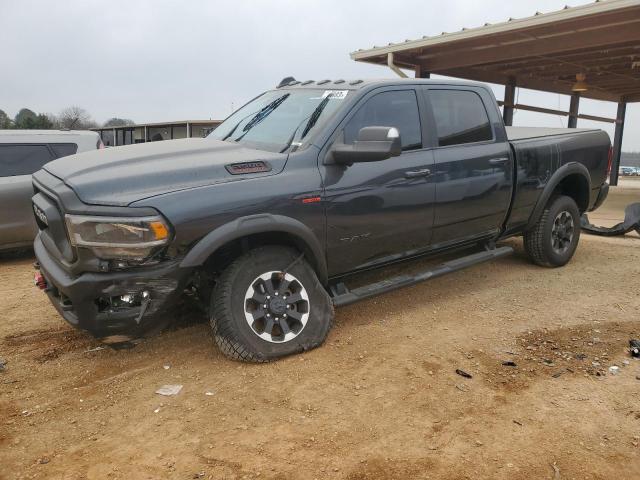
264, 221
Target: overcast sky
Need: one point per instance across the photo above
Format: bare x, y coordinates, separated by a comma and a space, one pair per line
163, 60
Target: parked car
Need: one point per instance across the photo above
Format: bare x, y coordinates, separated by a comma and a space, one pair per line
22, 152
264, 220
627, 171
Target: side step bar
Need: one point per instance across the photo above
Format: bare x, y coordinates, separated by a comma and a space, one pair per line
343, 296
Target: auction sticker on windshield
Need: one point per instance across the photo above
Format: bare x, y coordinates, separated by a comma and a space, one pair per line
337, 94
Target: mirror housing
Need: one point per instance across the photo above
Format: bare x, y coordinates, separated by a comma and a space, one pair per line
373, 144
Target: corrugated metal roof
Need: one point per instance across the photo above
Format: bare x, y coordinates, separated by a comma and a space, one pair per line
538, 19
543, 52
161, 124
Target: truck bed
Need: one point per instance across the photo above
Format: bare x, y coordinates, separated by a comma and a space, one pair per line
525, 133
540, 151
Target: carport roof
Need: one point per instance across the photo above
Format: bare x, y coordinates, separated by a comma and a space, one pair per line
159, 124
541, 52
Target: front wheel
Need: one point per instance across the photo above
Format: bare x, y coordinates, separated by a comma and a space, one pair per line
554, 239
267, 304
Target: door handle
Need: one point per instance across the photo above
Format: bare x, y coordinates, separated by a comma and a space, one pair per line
499, 161
425, 172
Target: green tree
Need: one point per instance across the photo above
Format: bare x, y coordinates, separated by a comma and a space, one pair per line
118, 122
25, 119
5, 121
42, 122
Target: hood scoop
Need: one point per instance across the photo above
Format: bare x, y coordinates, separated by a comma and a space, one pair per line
245, 168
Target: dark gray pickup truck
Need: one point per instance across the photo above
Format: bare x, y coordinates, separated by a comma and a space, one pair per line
263, 221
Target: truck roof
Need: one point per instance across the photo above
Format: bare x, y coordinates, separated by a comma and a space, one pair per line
84, 139
17, 132
358, 84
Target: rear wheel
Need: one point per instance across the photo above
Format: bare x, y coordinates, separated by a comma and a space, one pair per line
267, 304
554, 239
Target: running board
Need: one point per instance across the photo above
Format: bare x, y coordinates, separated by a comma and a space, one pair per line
343, 296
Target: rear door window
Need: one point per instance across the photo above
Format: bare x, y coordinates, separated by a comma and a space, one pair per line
398, 108
22, 159
460, 117
63, 149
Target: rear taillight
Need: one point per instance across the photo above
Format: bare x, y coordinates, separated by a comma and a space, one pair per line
610, 161
100, 145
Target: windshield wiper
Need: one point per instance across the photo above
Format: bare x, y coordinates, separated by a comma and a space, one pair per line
262, 114
237, 125
315, 116
258, 117
312, 120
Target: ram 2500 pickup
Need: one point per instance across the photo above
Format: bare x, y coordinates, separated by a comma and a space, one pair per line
263, 220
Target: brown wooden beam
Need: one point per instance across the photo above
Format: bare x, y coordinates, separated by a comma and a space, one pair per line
509, 100
603, 68
550, 111
617, 141
615, 75
607, 53
628, 82
537, 47
421, 73
595, 118
574, 110
554, 86
631, 96
561, 113
557, 69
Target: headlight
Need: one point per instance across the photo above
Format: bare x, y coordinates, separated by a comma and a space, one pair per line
132, 238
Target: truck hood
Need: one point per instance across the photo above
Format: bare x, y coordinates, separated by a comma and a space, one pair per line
122, 175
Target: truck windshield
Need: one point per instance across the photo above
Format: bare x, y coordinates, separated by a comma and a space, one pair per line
280, 119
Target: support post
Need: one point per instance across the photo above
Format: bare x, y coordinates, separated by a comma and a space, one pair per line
394, 67
617, 141
146, 134
574, 108
115, 138
421, 73
509, 102
188, 130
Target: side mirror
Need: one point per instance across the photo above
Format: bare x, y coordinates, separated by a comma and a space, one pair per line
373, 144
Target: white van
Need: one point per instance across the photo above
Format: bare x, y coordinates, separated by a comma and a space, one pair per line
23, 152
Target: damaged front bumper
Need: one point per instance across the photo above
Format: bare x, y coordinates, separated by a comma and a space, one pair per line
115, 306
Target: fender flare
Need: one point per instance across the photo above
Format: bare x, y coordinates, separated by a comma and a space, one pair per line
563, 172
252, 224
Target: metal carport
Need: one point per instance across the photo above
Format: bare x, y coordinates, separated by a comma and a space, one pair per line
590, 51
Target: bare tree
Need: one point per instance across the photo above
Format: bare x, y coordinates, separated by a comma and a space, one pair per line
75, 118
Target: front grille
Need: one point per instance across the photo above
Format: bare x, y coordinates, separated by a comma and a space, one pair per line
50, 220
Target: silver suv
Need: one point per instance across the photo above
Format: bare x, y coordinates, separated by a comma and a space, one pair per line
23, 152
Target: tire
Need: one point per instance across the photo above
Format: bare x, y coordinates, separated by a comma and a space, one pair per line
240, 325
554, 239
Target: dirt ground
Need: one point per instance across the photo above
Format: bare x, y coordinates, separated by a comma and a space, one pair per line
380, 400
